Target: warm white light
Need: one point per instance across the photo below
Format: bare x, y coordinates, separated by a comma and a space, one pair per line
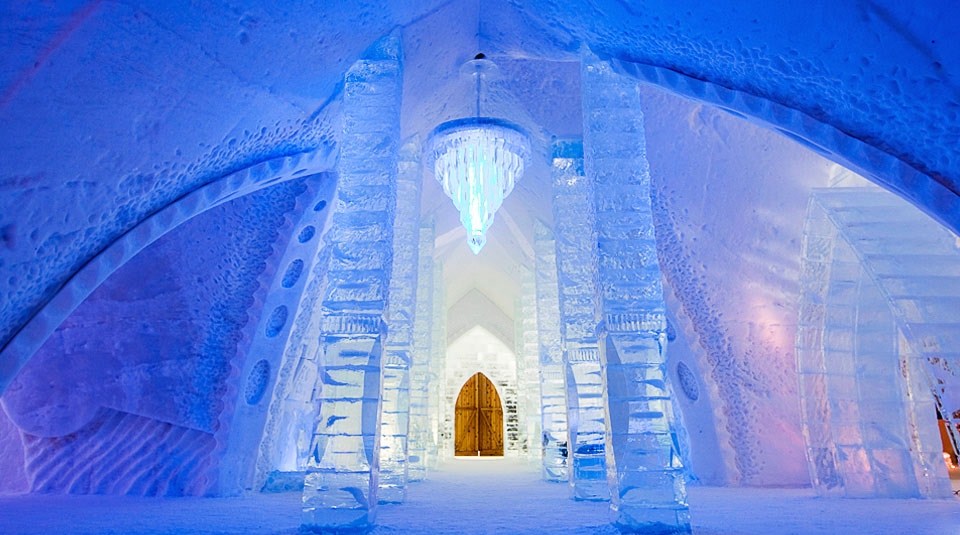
478, 161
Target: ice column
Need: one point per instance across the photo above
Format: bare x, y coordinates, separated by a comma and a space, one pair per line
553, 404
646, 475
438, 360
528, 368
573, 217
395, 412
420, 429
340, 488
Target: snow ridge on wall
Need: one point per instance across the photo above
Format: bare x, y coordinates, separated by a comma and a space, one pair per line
12, 477
160, 339
121, 453
95, 272
36, 277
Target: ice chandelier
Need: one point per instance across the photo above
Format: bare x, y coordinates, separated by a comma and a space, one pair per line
478, 160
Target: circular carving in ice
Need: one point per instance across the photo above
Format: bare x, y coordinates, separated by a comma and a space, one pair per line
688, 381
257, 382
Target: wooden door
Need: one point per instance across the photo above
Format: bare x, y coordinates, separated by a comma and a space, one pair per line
478, 422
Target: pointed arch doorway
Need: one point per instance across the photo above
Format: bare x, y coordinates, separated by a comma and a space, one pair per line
478, 419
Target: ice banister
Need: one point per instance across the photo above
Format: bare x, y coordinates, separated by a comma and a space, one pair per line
340, 488
648, 493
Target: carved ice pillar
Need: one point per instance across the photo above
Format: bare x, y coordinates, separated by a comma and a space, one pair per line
575, 235
528, 368
340, 489
648, 494
395, 412
420, 432
438, 360
553, 403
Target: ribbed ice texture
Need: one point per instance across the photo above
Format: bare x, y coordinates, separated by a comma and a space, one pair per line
876, 274
420, 436
528, 368
643, 458
340, 490
552, 372
122, 453
573, 220
395, 410
478, 161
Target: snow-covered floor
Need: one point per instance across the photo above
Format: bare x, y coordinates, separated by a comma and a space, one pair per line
482, 496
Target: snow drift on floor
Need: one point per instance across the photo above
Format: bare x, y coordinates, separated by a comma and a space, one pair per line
472, 496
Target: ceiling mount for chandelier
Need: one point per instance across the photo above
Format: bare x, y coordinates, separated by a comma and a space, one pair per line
478, 159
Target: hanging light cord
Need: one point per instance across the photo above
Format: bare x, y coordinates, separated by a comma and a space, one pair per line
478, 65
479, 76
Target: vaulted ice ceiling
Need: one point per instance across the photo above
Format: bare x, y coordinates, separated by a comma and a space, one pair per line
111, 112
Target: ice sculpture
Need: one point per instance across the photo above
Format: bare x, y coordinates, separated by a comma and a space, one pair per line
420, 436
553, 403
395, 410
648, 491
877, 338
477, 160
573, 217
340, 489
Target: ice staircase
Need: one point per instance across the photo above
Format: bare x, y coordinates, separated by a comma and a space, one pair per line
872, 258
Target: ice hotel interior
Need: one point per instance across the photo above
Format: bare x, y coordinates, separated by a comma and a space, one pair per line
480, 266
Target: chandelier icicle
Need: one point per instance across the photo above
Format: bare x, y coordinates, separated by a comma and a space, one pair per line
478, 160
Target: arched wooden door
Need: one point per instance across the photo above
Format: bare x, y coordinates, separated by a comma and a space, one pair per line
478, 421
